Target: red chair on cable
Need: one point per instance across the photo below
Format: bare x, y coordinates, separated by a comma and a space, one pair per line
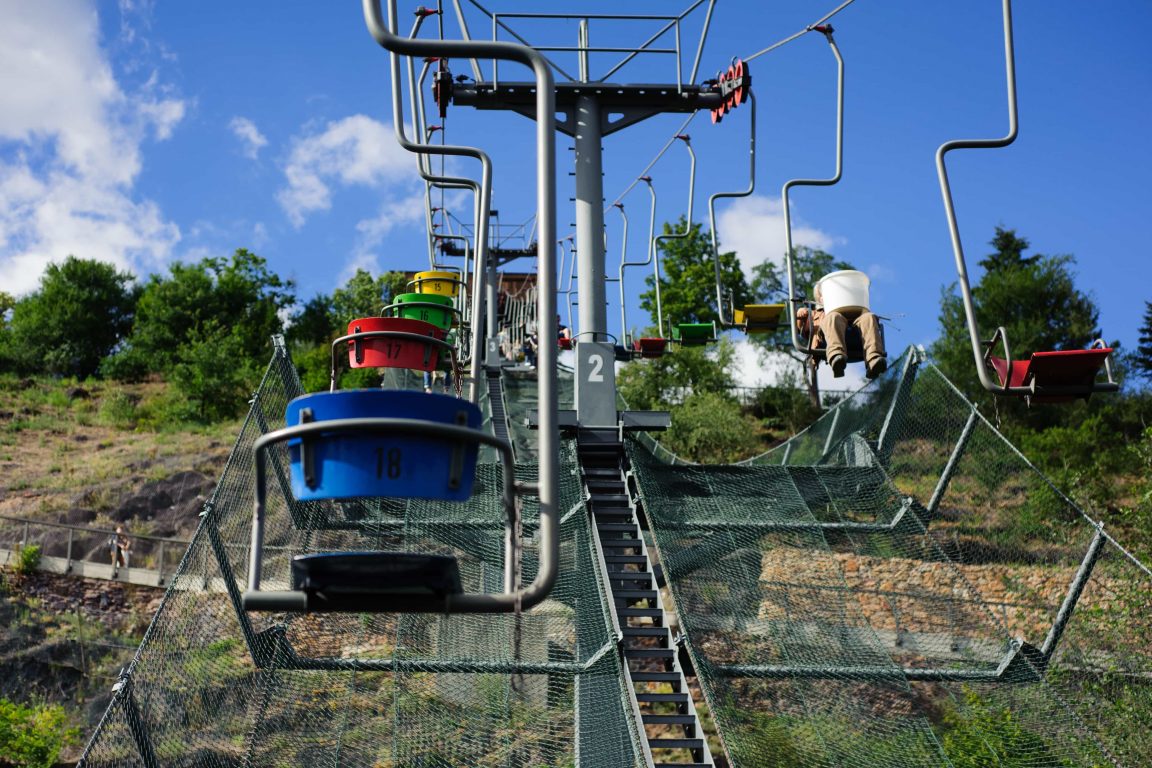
1046, 377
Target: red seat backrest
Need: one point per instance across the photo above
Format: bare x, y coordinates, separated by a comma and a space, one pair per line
386, 352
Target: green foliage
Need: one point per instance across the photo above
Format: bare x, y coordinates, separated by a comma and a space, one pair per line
32, 736
1142, 357
710, 428
81, 311
688, 279
314, 365
983, 734
27, 559
1035, 299
657, 383
239, 293
785, 406
214, 375
119, 409
314, 324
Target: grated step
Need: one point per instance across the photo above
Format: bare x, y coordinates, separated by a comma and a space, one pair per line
653, 613
634, 594
659, 698
668, 719
626, 560
636, 579
617, 528
649, 653
622, 543
676, 743
645, 631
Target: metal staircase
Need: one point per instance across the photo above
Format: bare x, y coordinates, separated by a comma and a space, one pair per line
660, 693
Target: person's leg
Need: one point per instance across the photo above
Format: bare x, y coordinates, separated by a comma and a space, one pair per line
427, 381
875, 356
834, 325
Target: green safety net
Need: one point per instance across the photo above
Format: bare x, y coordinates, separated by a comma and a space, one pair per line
212, 685
899, 586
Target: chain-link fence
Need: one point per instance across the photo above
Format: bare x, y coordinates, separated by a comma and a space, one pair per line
898, 586
213, 685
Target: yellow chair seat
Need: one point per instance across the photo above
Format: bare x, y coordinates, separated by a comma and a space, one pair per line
759, 318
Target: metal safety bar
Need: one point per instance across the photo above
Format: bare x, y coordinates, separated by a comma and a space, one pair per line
299, 600
427, 341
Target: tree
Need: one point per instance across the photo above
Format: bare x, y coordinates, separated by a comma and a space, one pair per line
1034, 298
770, 283
239, 293
688, 279
1142, 359
79, 314
212, 373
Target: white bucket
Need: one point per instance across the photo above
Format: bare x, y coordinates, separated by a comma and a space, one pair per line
844, 291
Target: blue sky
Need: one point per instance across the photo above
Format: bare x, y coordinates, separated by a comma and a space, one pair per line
144, 133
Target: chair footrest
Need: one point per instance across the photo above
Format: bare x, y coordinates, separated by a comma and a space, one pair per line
376, 573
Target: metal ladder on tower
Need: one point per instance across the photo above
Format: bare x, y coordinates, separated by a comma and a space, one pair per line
656, 678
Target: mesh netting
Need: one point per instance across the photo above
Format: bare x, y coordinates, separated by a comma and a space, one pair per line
214, 686
898, 586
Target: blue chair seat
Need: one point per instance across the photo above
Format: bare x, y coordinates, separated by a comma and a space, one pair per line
392, 461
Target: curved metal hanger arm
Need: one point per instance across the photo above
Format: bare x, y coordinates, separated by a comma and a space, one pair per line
675, 235
712, 210
549, 434
651, 235
950, 209
789, 257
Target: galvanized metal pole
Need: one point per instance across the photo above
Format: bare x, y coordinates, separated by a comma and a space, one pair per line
595, 356
590, 219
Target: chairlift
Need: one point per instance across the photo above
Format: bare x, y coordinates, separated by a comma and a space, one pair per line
694, 334
1045, 377
647, 347
751, 318
802, 337
359, 443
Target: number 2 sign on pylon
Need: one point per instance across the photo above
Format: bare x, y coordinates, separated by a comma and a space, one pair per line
734, 85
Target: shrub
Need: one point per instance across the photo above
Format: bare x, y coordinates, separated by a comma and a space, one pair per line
710, 428
27, 560
32, 736
118, 409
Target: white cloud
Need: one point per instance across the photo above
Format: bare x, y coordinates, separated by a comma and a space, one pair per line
754, 367
754, 228
356, 150
251, 139
70, 147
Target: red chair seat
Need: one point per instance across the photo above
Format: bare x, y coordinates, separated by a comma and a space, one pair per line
564, 342
393, 352
650, 347
1064, 368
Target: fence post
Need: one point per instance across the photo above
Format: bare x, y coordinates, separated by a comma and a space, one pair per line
68, 565
24, 536
160, 565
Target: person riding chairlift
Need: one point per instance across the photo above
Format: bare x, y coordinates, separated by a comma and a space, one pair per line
830, 329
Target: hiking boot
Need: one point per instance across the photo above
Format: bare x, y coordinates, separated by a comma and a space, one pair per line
876, 367
837, 364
